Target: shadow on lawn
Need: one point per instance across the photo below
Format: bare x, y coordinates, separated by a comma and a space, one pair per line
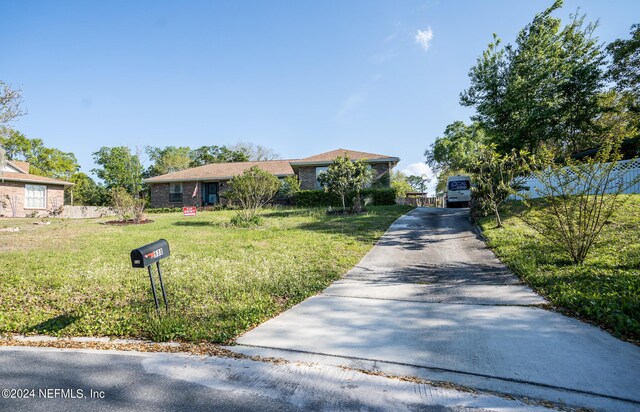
192, 223
54, 324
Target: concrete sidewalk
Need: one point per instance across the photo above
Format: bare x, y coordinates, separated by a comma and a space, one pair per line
430, 300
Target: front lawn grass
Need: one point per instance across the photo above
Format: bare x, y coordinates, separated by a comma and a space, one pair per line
74, 277
605, 290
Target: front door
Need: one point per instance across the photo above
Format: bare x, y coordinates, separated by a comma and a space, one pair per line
210, 196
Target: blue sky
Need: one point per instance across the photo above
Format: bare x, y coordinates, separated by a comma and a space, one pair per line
300, 77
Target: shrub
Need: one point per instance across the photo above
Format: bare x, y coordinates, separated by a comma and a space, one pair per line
320, 198
126, 206
251, 191
289, 186
577, 200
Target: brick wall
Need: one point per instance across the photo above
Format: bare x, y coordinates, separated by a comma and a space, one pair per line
160, 194
15, 190
307, 175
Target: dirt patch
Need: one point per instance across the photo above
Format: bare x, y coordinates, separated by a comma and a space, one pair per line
127, 222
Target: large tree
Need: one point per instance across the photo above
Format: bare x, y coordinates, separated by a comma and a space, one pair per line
85, 191
255, 152
541, 91
44, 161
216, 154
119, 167
624, 69
167, 160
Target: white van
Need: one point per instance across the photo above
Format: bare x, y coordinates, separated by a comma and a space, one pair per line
458, 191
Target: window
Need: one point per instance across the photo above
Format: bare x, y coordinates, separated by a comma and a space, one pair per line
459, 185
35, 197
318, 171
175, 192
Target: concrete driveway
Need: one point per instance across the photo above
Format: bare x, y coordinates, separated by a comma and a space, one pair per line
430, 300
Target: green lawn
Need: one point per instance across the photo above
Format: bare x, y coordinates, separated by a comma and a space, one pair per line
605, 290
74, 277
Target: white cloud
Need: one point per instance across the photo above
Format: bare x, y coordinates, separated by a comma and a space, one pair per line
423, 38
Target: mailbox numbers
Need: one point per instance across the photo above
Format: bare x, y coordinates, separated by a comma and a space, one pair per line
154, 254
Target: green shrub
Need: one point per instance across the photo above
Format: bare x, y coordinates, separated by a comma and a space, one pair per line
320, 198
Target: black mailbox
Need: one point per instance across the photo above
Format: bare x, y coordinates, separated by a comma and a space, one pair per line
147, 255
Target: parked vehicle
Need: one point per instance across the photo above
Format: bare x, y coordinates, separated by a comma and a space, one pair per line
458, 191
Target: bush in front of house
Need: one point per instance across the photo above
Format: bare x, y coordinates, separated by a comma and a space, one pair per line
320, 198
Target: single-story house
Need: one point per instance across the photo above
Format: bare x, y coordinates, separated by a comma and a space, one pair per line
205, 185
23, 194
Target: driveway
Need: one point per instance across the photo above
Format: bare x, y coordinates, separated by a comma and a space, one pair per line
430, 300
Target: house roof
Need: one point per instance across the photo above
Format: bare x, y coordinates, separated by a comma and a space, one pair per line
22, 166
328, 157
29, 178
223, 171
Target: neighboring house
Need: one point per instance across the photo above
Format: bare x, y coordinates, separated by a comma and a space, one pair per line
205, 185
23, 194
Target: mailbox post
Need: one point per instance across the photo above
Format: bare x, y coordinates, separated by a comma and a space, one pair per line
144, 257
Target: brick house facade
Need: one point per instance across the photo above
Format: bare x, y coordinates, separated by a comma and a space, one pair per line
23, 194
206, 185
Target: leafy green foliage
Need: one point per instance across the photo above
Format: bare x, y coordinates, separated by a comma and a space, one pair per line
541, 91
127, 206
251, 191
215, 154
605, 289
497, 177
400, 184
345, 177
119, 167
319, 198
457, 148
625, 62
43, 161
577, 200
220, 281
167, 160
289, 186
85, 191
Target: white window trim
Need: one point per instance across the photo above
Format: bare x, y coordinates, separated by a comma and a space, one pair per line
46, 197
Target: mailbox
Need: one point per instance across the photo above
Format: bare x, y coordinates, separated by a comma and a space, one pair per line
147, 255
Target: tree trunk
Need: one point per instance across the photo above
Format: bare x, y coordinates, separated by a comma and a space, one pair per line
498, 220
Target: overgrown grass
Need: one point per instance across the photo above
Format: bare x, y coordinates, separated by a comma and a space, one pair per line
74, 277
604, 290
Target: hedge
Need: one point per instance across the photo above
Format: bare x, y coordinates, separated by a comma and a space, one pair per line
318, 198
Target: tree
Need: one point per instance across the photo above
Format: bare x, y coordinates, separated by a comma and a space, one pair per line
400, 184
85, 191
497, 177
252, 190
455, 151
541, 91
10, 101
255, 152
167, 160
289, 186
345, 177
43, 161
625, 62
216, 154
577, 200
419, 183
119, 167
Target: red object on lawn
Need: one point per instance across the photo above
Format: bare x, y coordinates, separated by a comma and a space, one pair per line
189, 210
